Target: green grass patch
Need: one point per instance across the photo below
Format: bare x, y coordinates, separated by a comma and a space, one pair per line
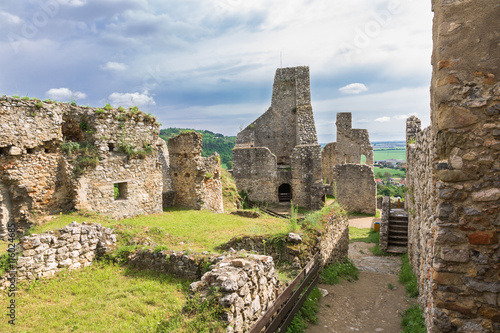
345, 270
413, 320
99, 298
176, 228
407, 278
365, 235
306, 314
364, 214
198, 315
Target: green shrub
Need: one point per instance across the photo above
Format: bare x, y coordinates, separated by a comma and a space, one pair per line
99, 111
25, 98
107, 107
340, 270
413, 320
306, 314
134, 109
407, 278
39, 105
69, 147
73, 102
209, 175
15, 96
4, 263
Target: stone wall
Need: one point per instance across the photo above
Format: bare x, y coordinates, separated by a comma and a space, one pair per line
288, 131
384, 224
356, 187
332, 242
258, 178
196, 180
42, 171
454, 173
71, 247
328, 161
247, 285
181, 264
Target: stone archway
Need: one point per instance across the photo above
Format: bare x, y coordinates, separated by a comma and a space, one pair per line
285, 193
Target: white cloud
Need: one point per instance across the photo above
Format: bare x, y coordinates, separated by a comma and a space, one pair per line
73, 3
383, 119
401, 117
131, 99
64, 94
114, 66
10, 18
353, 88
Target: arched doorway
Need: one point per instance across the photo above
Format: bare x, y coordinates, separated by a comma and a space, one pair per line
285, 193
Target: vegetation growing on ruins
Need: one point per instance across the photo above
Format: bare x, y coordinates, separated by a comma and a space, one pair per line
413, 318
230, 197
132, 152
341, 270
306, 314
212, 142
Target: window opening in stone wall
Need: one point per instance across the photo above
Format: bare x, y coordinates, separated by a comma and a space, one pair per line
285, 193
363, 159
30, 150
111, 146
3, 151
120, 191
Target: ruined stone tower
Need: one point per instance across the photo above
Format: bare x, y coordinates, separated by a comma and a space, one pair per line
277, 157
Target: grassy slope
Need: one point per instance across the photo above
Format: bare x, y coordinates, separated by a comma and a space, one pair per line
198, 230
394, 173
99, 298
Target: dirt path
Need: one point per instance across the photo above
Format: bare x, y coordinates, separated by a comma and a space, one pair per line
365, 305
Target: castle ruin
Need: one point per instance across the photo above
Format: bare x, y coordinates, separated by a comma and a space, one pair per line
57, 156
277, 158
353, 183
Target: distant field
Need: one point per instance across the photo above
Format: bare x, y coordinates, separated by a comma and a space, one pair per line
394, 173
386, 154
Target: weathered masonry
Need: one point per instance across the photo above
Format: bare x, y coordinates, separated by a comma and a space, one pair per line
196, 180
277, 157
454, 173
353, 182
57, 156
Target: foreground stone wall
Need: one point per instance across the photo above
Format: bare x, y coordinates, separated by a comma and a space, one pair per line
196, 180
454, 173
356, 187
247, 286
285, 142
71, 247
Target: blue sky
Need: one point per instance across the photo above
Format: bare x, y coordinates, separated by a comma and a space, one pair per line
210, 64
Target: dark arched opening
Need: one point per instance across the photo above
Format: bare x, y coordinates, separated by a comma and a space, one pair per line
285, 193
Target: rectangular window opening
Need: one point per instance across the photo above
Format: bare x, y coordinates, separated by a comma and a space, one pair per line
111, 146
120, 191
3, 151
30, 150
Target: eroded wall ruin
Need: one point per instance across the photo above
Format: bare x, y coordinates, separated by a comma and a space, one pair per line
454, 173
56, 156
351, 182
281, 148
196, 180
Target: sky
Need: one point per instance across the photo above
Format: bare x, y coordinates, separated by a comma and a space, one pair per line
210, 64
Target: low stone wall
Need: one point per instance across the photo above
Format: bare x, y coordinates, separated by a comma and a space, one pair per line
332, 242
189, 266
384, 224
73, 246
247, 286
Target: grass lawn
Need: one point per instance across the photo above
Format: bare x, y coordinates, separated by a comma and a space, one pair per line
177, 228
99, 298
387, 154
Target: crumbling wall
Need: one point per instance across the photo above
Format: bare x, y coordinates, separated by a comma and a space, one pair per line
306, 172
328, 161
351, 143
356, 188
71, 247
288, 132
196, 180
57, 156
246, 287
454, 173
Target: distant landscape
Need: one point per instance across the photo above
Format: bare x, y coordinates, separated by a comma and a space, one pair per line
223, 145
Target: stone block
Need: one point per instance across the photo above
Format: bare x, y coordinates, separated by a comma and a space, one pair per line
483, 238
456, 255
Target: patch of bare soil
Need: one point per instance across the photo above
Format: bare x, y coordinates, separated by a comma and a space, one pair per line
371, 304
